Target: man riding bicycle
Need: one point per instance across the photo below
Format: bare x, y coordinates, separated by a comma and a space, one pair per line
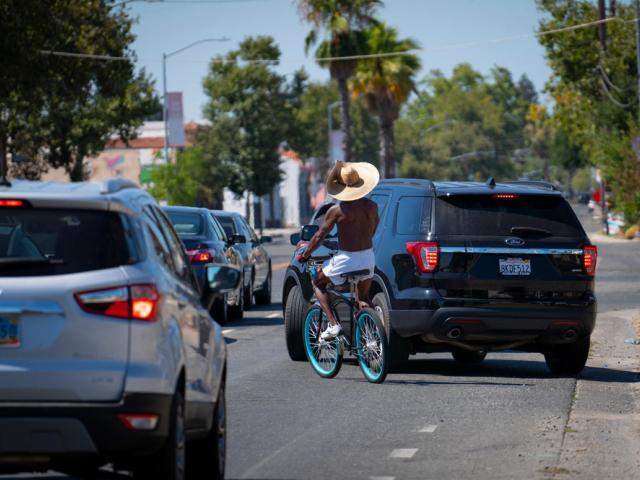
356, 218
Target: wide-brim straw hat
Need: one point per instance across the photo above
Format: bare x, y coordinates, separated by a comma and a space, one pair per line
350, 181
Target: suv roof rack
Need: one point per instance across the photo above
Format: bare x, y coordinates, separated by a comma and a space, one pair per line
114, 185
534, 183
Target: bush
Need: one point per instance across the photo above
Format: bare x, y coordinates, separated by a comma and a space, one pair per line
631, 232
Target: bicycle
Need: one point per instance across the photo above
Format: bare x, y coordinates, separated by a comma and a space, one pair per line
367, 339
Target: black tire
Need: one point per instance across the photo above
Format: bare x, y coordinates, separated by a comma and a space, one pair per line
263, 296
294, 313
568, 359
236, 312
467, 356
399, 348
169, 462
248, 295
220, 310
207, 456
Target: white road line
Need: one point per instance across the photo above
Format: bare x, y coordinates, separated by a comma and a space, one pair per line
428, 429
403, 453
382, 478
227, 331
273, 315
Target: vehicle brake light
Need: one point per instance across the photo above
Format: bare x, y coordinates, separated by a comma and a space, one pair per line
199, 256
590, 259
505, 196
138, 302
301, 244
11, 203
426, 255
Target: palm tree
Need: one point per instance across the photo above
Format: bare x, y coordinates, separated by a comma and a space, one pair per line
344, 22
386, 82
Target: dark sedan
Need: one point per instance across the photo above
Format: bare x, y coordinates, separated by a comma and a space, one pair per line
256, 262
206, 242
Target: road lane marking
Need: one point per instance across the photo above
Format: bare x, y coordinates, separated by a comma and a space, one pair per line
382, 478
227, 331
280, 266
273, 315
403, 453
428, 429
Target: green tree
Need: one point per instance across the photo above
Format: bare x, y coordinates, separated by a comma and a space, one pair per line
385, 83
74, 104
253, 103
344, 22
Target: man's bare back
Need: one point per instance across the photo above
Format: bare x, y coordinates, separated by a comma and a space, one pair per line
357, 222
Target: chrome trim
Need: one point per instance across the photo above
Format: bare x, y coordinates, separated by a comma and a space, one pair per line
508, 251
43, 308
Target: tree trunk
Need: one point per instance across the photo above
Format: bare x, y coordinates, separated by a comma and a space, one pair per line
387, 149
345, 118
76, 173
3, 159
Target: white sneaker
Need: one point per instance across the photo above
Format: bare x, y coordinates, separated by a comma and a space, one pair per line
331, 332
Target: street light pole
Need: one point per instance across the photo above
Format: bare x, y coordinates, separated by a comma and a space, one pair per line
330, 126
165, 113
637, 2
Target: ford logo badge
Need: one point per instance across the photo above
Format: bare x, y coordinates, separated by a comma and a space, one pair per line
514, 242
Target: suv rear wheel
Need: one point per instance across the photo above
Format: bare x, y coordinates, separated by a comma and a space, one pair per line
295, 308
399, 348
568, 359
468, 356
169, 462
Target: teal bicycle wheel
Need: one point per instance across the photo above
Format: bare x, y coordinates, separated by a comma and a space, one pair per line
325, 356
371, 345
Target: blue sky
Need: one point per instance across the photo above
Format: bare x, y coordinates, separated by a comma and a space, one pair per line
433, 23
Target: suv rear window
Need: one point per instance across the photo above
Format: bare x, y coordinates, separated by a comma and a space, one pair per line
414, 215
36, 242
186, 223
487, 215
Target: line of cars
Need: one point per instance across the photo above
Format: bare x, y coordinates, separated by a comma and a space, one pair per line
108, 350
468, 268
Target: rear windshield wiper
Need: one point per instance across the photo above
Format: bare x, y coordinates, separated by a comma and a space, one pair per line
28, 261
529, 230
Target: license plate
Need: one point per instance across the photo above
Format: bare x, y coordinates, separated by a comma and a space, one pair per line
515, 266
9, 332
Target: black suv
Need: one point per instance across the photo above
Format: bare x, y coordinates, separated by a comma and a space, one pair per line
471, 267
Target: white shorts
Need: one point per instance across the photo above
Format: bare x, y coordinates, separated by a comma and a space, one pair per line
344, 262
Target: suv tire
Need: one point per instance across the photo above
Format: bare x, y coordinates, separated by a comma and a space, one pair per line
568, 359
295, 308
468, 356
169, 462
248, 294
209, 454
399, 348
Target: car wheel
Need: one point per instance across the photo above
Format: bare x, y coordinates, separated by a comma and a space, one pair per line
399, 348
236, 311
209, 454
248, 295
294, 312
568, 359
263, 297
169, 462
468, 356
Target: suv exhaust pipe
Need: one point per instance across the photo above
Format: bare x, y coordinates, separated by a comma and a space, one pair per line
570, 334
455, 333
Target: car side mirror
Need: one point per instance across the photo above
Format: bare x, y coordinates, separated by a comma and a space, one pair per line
222, 278
308, 231
238, 239
294, 239
265, 239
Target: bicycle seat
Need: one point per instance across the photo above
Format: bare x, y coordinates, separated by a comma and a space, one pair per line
356, 273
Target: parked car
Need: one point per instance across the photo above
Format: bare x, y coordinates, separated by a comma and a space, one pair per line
206, 242
469, 268
107, 354
256, 261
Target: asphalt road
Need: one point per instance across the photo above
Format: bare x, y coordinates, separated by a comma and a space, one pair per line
505, 418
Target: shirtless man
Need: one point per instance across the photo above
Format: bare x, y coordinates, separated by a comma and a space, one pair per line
357, 219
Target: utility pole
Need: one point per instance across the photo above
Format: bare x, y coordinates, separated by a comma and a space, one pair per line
637, 2
602, 33
602, 27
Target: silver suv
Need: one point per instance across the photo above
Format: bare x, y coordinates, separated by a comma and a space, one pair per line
106, 353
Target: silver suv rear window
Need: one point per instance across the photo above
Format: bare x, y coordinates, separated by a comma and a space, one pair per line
35, 241
499, 214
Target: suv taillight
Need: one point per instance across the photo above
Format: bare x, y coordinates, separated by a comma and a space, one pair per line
426, 254
590, 259
138, 302
199, 256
